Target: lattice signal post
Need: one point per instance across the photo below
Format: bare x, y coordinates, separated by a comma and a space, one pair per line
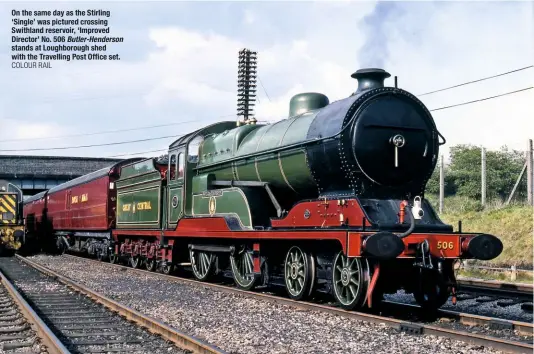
246, 86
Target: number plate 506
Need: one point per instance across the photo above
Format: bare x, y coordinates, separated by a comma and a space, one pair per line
442, 245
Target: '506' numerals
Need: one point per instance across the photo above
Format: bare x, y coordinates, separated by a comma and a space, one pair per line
442, 245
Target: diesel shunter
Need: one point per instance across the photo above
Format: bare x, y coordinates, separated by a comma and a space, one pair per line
11, 222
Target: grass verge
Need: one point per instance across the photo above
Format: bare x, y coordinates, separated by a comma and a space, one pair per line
513, 225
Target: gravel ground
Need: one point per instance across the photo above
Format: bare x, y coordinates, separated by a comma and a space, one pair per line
490, 309
239, 324
40, 289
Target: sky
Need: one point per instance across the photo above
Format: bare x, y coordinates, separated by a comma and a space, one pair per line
179, 66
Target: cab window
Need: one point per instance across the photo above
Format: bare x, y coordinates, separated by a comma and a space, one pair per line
180, 167
172, 167
193, 150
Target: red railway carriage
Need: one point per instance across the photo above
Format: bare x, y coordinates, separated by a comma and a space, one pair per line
83, 207
83, 204
33, 212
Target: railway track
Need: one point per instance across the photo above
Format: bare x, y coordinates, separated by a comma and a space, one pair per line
407, 325
21, 329
84, 321
506, 294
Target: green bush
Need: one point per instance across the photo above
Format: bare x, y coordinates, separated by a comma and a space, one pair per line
463, 174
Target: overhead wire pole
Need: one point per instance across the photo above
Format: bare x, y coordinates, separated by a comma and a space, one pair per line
530, 172
483, 175
441, 184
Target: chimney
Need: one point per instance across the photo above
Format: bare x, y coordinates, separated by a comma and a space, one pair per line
370, 78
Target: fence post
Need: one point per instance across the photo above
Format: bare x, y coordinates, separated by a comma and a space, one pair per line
483, 172
513, 275
441, 184
530, 187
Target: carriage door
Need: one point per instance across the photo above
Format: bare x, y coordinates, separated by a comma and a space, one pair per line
68, 212
175, 186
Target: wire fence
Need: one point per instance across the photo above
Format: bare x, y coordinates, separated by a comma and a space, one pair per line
503, 192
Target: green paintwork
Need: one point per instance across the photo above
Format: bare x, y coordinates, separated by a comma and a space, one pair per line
242, 153
228, 201
175, 208
285, 169
175, 191
139, 208
222, 146
293, 163
305, 102
139, 196
202, 183
140, 168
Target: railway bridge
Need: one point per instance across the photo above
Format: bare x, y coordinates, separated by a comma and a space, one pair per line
34, 174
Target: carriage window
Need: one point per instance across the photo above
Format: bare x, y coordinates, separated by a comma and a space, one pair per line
172, 167
194, 149
181, 165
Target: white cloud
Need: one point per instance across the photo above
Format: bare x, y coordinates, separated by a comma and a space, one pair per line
27, 131
429, 46
464, 42
193, 67
249, 17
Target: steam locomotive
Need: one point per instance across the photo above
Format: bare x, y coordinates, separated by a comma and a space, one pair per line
11, 224
330, 199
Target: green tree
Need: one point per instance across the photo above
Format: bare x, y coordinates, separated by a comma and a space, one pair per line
432, 186
463, 174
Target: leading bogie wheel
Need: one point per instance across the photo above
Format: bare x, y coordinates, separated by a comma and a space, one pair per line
432, 292
299, 273
202, 264
242, 266
349, 281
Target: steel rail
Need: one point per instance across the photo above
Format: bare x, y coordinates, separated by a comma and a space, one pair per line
469, 319
413, 327
52, 343
497, 288
179, 338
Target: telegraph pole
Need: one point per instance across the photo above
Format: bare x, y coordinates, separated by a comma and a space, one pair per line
530, 183
441, 184
483, 192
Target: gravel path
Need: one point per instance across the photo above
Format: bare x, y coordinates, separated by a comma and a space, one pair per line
242, 325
